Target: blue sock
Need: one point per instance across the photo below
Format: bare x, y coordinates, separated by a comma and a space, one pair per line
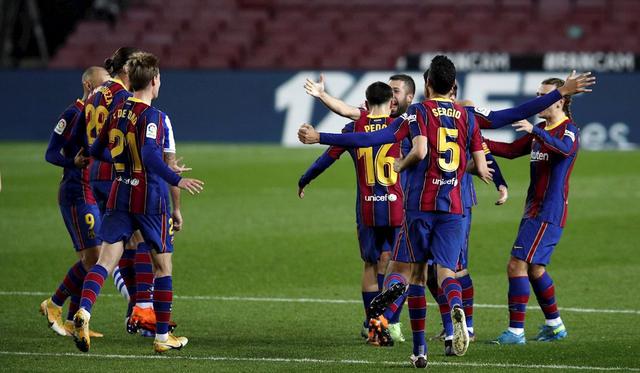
162, 300
467, 298
92, 284
518, 299
392, 313
418, 314
367, 297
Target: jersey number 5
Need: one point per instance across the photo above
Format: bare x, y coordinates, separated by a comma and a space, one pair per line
448, 147
118, 142
380, 170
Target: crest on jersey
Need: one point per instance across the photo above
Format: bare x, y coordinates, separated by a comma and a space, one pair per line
482, 110
152, 131
62, 124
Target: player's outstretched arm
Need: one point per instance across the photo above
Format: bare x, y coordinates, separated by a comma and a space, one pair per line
318, 167
574, 84
316, 89
308, 135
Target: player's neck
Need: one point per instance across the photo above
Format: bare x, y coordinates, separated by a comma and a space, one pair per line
145, 96
555, 119
379, 111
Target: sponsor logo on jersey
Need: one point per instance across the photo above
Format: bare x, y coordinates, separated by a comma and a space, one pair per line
62, 124
453, 181
383, 198
410, 118
539, 156
482, 110
128, 181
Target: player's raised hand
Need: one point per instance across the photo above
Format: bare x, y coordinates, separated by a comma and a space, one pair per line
176, 217
179, 168
193, 186
80, 161
504, 195
523, 126
314, 89
308, 135
577, 83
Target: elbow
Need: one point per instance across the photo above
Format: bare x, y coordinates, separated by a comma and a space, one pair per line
421, 153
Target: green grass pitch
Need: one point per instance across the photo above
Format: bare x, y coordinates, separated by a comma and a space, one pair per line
249, 236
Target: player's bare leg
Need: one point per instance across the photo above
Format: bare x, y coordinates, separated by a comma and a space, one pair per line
453, 293
162, 300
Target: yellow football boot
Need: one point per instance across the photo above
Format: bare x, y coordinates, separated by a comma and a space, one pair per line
172, 343
53, 313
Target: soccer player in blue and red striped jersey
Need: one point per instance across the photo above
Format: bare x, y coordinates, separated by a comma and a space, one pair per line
139, 198
98, 107
77, 205
397, 271
437, 161
552, 146
379, 200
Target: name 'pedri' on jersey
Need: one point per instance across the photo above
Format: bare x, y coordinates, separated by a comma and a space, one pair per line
435, 183
133, 127
553, 150
74, 186
379, 200
97, 109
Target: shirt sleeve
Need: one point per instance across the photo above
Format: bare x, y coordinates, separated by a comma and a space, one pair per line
564, 145
152, 153
498, 179
169, 141
475, 144
512, 150
391, 134
61, 132
497, 119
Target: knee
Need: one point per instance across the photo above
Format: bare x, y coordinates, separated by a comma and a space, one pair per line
516, 267
89, 257
536, 271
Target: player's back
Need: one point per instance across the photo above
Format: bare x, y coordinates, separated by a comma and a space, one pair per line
435, 183
97, 109
380, 198
131, 125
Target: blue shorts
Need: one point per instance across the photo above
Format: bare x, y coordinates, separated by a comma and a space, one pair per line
157, 230
434, 235
463, 261
401, 249
375, 240
536, 241
83, 222
101, 190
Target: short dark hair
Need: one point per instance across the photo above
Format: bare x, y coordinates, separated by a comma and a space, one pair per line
143, 67
379, 93
116, 63
441, 74
407, 80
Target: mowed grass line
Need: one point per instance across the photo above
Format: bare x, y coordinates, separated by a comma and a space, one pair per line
249, 235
